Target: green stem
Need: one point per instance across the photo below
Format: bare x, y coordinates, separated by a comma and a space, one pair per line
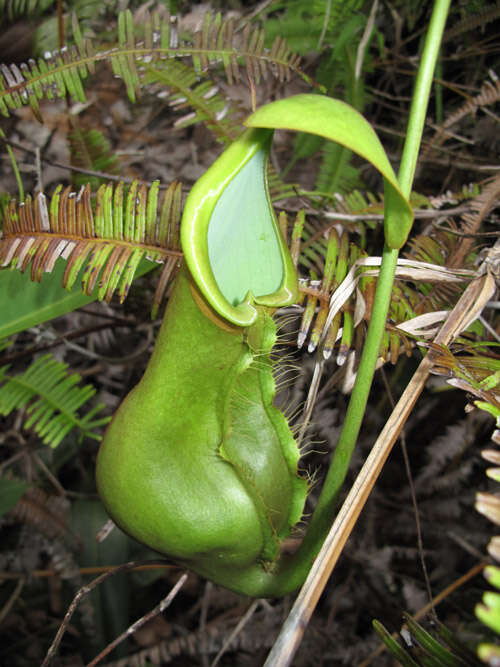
359, 397
438, 93
420, 100
325, 509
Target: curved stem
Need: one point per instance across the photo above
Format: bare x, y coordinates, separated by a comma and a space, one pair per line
324, 512
325, 509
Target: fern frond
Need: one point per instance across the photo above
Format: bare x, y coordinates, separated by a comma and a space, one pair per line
444, 248
181, 87
91, 150
315, 22
488, 95
10, 10
110, 242
56, 75
51, 399
62, 72
335, 173
473, 21
46, 513
338, 294
481, 206
219, 42
437, 249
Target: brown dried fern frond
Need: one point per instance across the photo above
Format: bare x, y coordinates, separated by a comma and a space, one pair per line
489, 94
46, 513
259, 632
452, 248
106, 243
481, 206
473, 22
435, 248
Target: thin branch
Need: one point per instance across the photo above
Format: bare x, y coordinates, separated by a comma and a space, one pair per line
47, 574
30, 351
13, 597
411, 485
160, 608
243, 621
79, 170
85, 590
436, 225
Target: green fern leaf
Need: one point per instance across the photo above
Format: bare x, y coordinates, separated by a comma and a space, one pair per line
306, 26
335, 172
51, 398
11, 10
106, 241
55, 75
180, 85
62, 73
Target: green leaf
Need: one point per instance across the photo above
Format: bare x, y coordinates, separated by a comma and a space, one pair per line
431, 645
11, 491
436, 650
492, 574
25, 304
489, 612
394, 647
457, 646
488, 407
341, 123
489, 653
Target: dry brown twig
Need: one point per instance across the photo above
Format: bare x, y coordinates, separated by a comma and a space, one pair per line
85, 590
141, 621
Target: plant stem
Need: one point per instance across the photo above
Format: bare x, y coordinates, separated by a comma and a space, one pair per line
324, 512
325, 509
420, 99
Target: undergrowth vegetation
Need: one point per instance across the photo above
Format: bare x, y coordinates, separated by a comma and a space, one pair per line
110, 112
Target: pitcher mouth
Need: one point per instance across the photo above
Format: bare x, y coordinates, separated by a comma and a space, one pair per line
230, 236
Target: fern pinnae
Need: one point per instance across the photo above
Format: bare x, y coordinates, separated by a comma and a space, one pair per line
51, 397
123, 63
488, 95
109, 244
182, 88
473, 21
63, 72
10, 10
92, 151
481, 206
